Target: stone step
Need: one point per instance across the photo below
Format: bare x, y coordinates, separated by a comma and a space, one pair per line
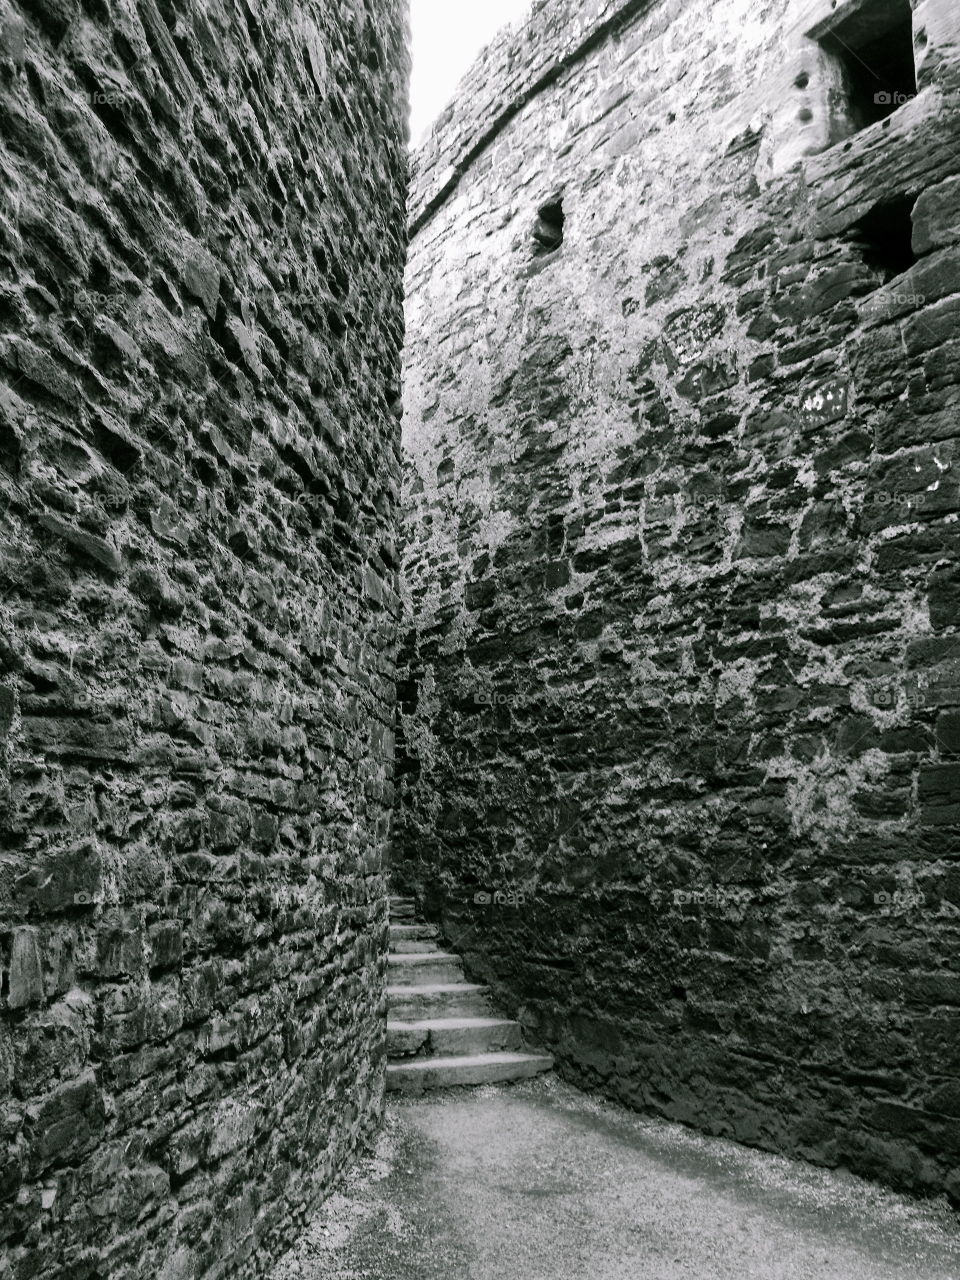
438, 1000
480, 1068
403, 909
413, 947
401, 932
420, 970
445, 1036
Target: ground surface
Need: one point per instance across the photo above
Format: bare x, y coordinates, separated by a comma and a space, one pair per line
541, 1182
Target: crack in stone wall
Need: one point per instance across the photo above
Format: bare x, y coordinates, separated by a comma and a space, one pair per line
201, 248
680, 706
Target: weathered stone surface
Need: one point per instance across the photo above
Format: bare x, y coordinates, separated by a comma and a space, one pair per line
681, 569
936, 216
25, 980
201, 255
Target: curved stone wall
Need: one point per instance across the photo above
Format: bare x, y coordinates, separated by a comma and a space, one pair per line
201, 248
680, 709
512, 70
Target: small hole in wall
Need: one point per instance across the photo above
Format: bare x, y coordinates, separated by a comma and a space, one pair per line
548, 231
885, 237
802, 80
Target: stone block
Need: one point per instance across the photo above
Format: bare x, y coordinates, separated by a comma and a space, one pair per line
66, 1123
66, 878
165, 940
84, 543
201, 278
7, 707
25, 977
936, 216
947, 731
232, 1128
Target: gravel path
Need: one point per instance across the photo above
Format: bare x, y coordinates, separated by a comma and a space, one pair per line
541, 1182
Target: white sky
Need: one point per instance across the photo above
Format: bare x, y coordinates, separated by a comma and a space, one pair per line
447, 36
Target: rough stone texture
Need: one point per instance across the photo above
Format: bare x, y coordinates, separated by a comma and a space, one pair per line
201, 247
563, 1186
680, 768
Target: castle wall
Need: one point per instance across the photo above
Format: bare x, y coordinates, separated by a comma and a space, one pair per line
201, 246
681, 704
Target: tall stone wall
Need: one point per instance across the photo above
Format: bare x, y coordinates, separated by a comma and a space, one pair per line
201, 246
680, 710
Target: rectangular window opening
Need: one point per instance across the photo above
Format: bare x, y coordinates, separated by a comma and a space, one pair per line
884, 237
874, 47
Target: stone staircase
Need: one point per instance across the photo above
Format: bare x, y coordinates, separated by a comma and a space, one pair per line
441, 1029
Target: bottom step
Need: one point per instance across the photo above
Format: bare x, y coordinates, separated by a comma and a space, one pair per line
447, 1036
481, 1068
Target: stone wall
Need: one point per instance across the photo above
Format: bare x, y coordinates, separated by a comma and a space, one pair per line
680, 713
201, 247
